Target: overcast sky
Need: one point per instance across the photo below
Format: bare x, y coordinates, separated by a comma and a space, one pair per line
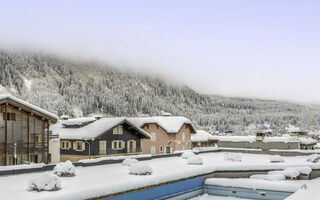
268, 49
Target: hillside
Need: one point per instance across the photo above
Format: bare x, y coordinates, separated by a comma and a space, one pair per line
82, 88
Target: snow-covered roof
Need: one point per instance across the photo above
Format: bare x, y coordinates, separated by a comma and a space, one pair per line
308, 141
201, 136
28, 105
92, 130
78, 121
171, 124
284, 139
236, 138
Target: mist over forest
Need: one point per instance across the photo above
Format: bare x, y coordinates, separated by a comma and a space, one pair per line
84, 88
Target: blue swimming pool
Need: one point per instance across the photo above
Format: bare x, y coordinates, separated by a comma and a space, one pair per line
194, 187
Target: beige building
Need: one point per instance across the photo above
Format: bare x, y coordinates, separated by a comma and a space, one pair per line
168, 134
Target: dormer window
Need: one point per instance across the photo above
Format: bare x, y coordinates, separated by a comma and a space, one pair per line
118, 130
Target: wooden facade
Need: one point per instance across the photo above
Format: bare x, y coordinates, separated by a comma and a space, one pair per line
122, 139
24, 134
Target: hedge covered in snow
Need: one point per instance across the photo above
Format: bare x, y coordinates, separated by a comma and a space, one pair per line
140, 168
315, 158
44, 182
195, 160
129, 161
65, 169
187, 154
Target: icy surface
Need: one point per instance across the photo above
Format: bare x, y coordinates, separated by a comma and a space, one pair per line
65, 169
44, 182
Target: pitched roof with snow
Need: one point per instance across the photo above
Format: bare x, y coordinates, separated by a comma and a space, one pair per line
236, 138
92, 130
28, 105
202, 136
171, 124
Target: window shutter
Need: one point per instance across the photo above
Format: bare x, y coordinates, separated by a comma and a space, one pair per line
83, 146
115, 130
75, 145
134, 145
123, 144
112, 145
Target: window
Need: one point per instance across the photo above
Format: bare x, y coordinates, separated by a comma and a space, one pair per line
79, 146
118, 130
153, 150
10, 116
183, 136
115, 130
65, 145
118, 145
161, 149
153, 136
37, 138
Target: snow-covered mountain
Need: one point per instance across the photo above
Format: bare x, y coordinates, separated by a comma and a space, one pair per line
82, 88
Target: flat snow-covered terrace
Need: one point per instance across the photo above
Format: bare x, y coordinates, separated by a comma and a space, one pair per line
103, 180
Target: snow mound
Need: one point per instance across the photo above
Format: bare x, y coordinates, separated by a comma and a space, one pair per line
140, 169
315, 158
195, 160
187, 154
276, 159
129, 161
232, 157
301, 170
65, 169
289, 173
276, 177
44, 182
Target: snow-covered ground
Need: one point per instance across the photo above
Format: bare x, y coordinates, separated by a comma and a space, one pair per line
209, 197
108, 179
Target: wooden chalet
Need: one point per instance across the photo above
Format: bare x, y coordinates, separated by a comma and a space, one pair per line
94, 137
24, 132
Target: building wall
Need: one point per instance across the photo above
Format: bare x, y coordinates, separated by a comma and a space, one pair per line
129, 134
17, 137
164, 140
259, 145
54, 150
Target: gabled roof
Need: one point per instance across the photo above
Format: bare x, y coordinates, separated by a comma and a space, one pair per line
27, 105
92, 130
202, 136
171, 124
